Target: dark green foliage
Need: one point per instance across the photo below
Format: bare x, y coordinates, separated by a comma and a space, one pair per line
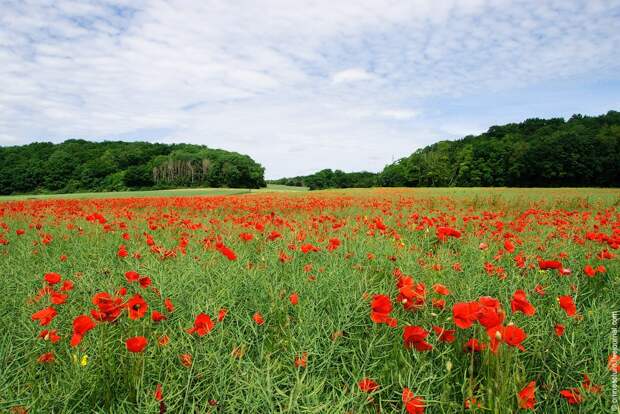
331, 179
581, 152
78, 165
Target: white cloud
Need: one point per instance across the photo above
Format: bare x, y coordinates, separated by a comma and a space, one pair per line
351, 75
399, 114
297, 85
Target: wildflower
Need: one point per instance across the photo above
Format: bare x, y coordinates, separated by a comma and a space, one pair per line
294, 298
413, 336
381, 307
413, 404
44, 316
567, 304
202, 325
46, 358
301, 361
52, 278
137, 307
136, 344
527, 396
521, 304
572, 396
81, 325
367, 385
258, 318
186, 360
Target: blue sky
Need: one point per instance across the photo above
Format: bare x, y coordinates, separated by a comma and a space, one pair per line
301, 85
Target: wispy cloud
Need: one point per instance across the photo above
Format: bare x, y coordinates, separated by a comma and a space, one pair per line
300, 85
351, 75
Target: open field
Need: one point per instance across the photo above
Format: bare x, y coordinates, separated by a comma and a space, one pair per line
340, 301
181, 192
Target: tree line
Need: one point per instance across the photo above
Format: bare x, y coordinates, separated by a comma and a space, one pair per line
583, 151
79, 165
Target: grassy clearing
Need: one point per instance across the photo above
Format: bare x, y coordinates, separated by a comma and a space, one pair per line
240, 366
181, 192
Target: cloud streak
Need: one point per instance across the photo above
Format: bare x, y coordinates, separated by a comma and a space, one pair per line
299, 85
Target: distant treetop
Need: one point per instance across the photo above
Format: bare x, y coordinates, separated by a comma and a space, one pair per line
581, 152
79, 165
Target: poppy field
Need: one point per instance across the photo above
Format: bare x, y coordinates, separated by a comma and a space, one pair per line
362, 301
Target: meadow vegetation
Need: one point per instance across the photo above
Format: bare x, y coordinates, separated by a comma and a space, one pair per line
359, 301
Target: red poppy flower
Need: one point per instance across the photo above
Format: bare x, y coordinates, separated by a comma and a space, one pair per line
58, 298
186, 360
471, 402
226, 251
52, 278
444, 335
513, 336
413, 404
540, 290
473, 345
490, 316
132, 276
222, 314
381, 306
159, 395
412, 295
137, 307
294, 298
521, 304
413, 336
163, 340
44, 316
589, 271
246, 236
51, 335
613, 363
109, 308
527, 396
572, 396
258, 318
567, 304
465, 314
443, 233
301, 361
549, 264
122, 251
169, 305
367, 385
46, 358
587, 385
202, 325
441, 289
81, 325
157, 316
136, 344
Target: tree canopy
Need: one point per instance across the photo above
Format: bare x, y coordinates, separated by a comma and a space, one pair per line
79, 165
583, 151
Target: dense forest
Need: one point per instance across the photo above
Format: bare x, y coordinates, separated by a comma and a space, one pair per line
331, 179
583, 151
78, 165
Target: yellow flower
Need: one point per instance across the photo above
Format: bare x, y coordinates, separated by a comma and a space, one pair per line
83, 360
